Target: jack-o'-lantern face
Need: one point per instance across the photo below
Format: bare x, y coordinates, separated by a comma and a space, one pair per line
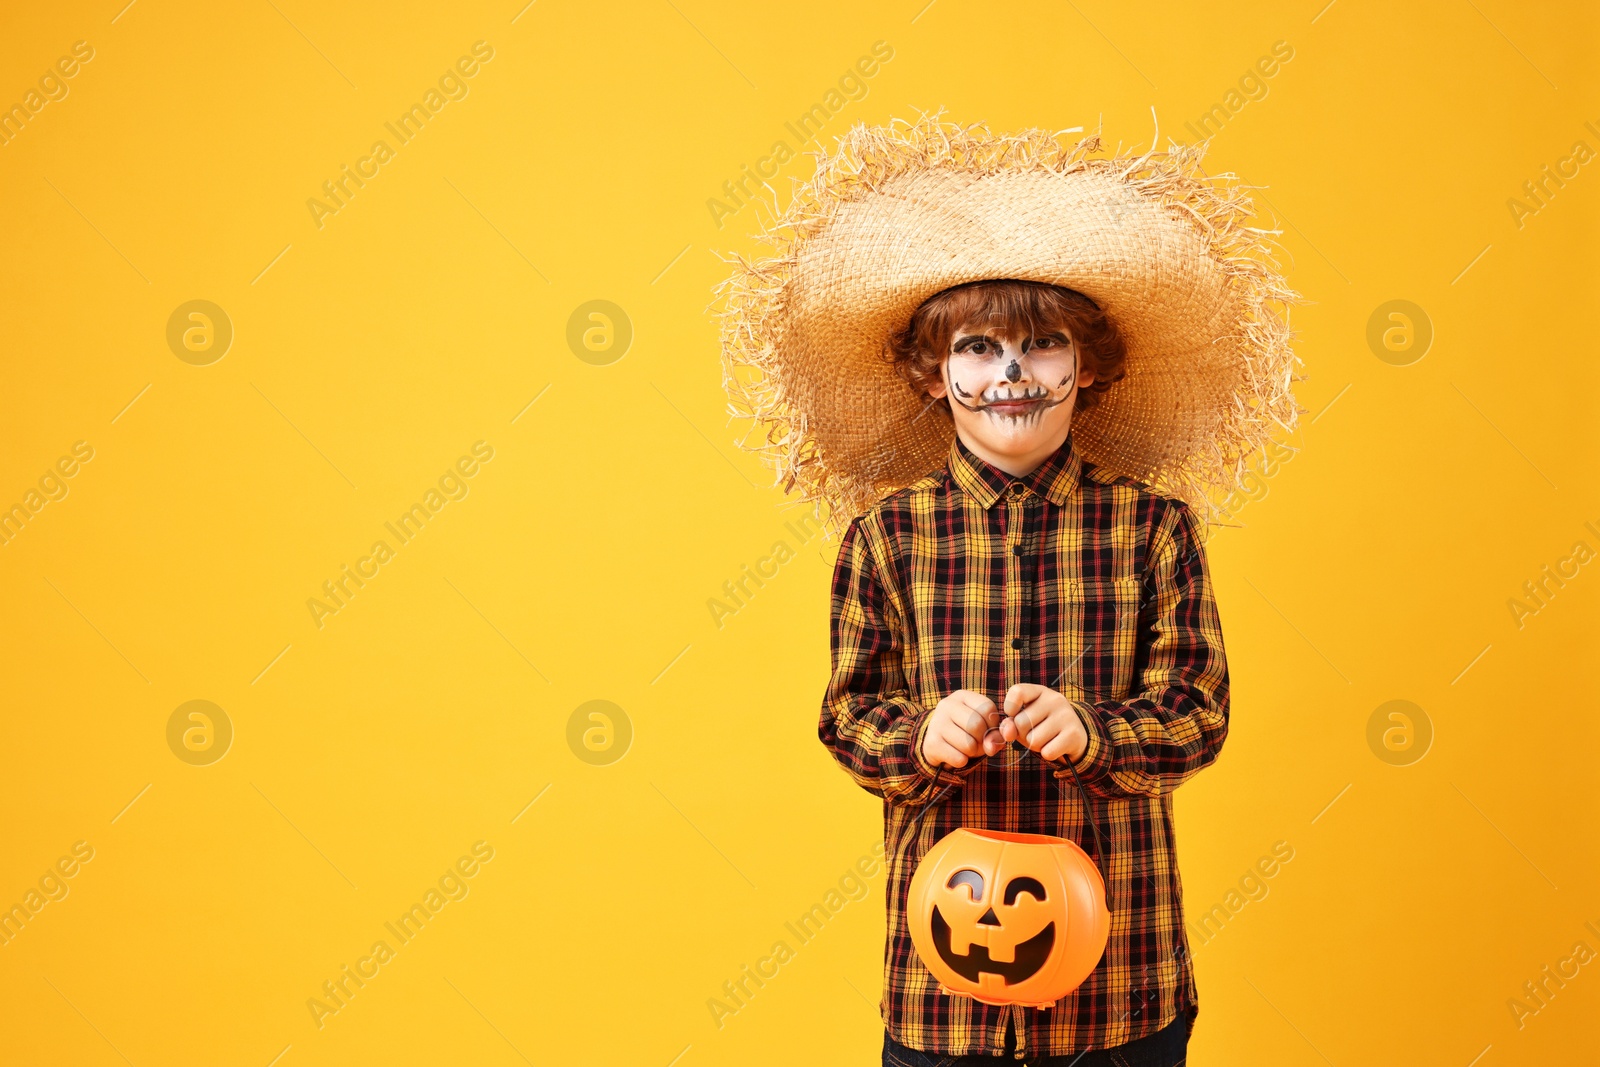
975, 959
1008, 918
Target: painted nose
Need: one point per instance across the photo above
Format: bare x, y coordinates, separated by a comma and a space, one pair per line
989, 919
1013, 372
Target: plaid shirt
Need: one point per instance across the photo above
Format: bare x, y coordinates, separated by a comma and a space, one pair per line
1077, 579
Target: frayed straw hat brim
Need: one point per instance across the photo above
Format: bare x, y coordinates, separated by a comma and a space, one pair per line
900, 212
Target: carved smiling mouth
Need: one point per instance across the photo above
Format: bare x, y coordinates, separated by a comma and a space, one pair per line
1030, 955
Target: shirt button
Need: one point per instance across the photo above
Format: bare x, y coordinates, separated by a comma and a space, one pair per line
1016, 642
1016, 550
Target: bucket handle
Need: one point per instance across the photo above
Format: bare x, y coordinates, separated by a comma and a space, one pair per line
1100, 860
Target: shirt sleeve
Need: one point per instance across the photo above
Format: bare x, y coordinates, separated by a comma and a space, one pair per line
1175, 725
870, 723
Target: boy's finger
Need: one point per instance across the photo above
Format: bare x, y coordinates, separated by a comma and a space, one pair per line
945, 753
963, 742
1020, 696
1057, 748
1041, 735
1008, 730
977, 702
974, 724
993, 743
988, 721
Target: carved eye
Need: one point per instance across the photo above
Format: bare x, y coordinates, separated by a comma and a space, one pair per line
974, 883
1022, 885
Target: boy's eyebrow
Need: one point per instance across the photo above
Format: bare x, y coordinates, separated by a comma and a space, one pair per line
995, 333
1056, 335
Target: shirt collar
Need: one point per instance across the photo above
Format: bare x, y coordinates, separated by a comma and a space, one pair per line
1055, 479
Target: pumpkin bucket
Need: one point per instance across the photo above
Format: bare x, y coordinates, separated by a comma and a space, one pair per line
1009, 918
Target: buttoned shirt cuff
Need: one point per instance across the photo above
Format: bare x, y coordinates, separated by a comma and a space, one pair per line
940, 774
1095, 762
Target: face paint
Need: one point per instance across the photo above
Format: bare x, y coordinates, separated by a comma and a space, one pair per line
1006, 403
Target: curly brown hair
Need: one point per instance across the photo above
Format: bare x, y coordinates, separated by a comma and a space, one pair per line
1009, 304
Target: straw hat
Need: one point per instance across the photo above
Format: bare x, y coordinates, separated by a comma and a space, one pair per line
903, 211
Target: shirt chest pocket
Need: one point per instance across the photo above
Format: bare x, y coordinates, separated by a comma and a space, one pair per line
1101, 636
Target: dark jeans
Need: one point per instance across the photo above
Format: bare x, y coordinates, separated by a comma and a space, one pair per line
1167, 1047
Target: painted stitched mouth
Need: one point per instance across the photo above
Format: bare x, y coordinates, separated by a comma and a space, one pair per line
1030, 955
1014, 407
1019, 404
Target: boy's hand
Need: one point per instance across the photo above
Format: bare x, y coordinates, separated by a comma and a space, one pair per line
964, 726
1046, 722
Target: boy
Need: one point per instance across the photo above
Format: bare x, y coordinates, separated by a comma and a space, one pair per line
994, 575
1064, 334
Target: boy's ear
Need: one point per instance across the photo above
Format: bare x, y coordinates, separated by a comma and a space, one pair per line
937, 389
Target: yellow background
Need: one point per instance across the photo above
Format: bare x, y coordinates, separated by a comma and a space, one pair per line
426, 314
